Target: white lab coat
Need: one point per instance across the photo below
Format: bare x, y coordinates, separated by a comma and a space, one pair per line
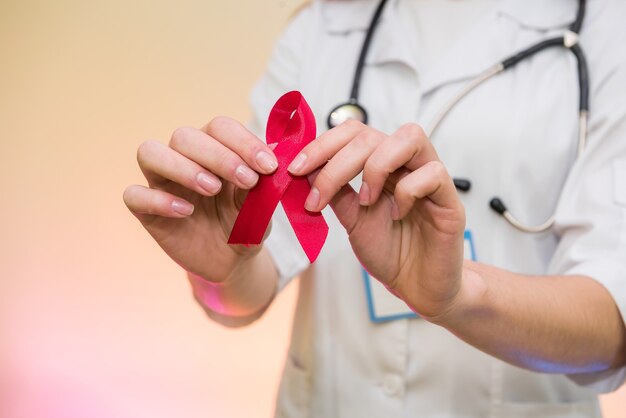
514, 137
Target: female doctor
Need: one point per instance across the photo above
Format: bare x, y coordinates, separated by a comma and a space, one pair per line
499, 321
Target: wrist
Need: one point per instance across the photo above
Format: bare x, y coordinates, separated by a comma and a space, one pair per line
247, 289
469, 301
223, 264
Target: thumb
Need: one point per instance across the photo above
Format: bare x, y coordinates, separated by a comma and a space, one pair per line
346, 206
345, 203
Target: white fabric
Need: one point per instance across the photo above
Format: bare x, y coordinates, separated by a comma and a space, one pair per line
514, 137
432, 38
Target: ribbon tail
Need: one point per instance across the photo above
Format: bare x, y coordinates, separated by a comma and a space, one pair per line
310, 227
256, 212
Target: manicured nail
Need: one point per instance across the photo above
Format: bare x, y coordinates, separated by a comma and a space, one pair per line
395, 211
364, 194
208, 183
246, 176
297, 164
182, 208
313, 200
266, 161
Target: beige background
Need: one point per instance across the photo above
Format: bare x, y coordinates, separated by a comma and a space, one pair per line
94, 320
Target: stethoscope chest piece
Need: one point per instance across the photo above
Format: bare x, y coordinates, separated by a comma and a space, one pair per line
350, 110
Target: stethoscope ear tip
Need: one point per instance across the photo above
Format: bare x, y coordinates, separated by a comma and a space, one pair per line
497, 205
463, 185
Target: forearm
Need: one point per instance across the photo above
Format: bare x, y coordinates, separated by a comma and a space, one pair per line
557, 324
246, 291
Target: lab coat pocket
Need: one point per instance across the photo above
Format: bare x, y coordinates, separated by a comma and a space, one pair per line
619, 182
585, 409
295, 391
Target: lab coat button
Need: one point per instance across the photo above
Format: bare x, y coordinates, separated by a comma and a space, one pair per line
393, 385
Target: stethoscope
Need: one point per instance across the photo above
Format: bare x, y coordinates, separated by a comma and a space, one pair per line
352, 109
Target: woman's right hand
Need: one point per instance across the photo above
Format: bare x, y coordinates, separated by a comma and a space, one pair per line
195, 189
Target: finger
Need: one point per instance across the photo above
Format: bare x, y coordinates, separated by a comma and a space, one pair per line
160, 163
214, 156
430, 181
424, 150
345, 205
407, 147
235, 136
342, 168
144, 201
325, 147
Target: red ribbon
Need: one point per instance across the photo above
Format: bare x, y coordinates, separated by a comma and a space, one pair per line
291, 125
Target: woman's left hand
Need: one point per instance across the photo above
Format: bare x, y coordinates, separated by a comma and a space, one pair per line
406, 223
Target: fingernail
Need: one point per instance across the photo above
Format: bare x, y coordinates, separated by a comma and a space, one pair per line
364, 194
246, 176
266, 161
395, 211
313, 200
208, 183
182, 208
297, 164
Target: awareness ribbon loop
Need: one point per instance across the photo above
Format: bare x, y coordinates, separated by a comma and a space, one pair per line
291, 126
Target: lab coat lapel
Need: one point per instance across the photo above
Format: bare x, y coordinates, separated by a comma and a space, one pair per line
341, 17
389, 43
468, 57
540, 14
484, 45
351, 19
487, 42
393, 40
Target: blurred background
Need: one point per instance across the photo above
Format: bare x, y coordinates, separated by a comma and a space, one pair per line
94, 320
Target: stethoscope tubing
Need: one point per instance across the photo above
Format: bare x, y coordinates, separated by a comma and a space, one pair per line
570, 41
356, 83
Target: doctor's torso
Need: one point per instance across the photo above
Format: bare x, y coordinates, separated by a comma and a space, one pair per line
514, 137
